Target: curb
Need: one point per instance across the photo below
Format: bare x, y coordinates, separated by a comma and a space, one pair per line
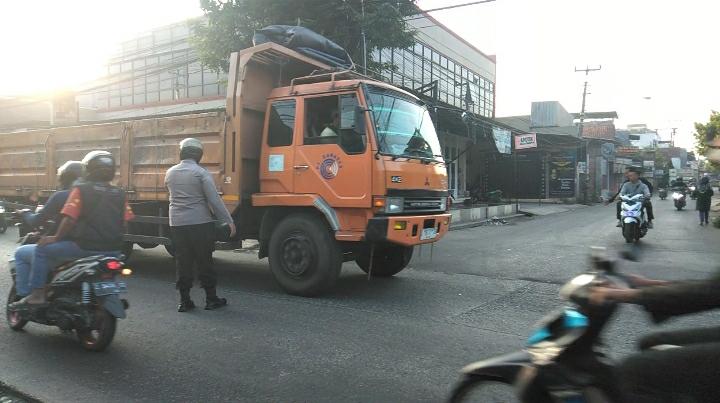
474, 224
9, 394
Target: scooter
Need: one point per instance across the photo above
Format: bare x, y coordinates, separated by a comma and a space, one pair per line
692, 188
634, 224
82, 295
561, 361
679, 198
662, 193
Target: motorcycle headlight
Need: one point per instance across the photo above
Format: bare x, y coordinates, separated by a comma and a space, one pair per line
692, 188
677, 196
394, 205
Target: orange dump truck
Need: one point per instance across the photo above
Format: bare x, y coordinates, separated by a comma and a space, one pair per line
320, 168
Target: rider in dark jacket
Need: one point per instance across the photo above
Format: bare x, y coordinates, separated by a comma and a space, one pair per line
647, 204
68, 173
667, 373
92, 224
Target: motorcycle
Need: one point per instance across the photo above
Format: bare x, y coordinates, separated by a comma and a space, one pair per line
3, 221
662, 192
82, 295
679, 199
634, 224
692, 188
562, 361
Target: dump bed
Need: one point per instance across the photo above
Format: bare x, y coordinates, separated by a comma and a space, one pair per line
144, 150
146, 147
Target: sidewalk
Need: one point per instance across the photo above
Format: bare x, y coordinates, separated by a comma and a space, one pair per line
547, 209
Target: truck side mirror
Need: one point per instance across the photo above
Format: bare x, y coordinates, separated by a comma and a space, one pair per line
360, 120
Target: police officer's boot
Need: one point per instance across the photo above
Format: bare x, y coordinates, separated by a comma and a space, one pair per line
186, 304
212, 301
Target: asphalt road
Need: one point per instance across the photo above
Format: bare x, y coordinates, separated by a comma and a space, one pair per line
472, 296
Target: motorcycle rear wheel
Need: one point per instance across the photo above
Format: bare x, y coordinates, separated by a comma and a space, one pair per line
14, 319
101, 334
484, 389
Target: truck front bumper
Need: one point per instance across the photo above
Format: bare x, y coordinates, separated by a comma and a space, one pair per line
407, 230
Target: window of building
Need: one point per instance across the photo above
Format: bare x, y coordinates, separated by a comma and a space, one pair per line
331, 120
281, 123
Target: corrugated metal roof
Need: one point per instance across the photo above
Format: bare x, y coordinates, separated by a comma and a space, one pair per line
522, 123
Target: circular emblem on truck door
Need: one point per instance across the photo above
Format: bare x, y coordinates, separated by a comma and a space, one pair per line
330, 166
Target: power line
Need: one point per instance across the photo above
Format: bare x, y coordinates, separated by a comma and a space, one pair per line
448, 8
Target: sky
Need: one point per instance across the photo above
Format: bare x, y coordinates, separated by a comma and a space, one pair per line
657, 58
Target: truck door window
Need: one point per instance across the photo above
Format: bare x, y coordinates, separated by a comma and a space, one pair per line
282, 123
331, 120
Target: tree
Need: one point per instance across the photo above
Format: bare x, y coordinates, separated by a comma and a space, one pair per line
230, 24
701, 135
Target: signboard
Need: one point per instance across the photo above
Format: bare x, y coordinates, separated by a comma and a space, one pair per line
649, 164
503, 142
659, 172
607, 150
562, 175
523, 141
582, 167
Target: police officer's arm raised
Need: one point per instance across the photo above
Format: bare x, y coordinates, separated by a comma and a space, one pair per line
216, 204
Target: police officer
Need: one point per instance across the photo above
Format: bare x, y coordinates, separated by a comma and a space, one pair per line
193, 202
93, 223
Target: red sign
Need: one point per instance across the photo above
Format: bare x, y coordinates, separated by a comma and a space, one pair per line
523, 141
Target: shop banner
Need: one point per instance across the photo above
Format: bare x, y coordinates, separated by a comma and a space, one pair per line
503, 140
562, 175
523, 141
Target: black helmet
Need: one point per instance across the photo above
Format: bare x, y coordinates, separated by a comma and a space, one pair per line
99, 166
191, 148
69, 172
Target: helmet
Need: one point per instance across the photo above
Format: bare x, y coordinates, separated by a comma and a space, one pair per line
99, 166
69, 172
191, 148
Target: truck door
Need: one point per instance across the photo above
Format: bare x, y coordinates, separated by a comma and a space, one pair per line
331, 159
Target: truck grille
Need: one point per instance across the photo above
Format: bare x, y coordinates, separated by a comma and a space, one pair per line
423, 204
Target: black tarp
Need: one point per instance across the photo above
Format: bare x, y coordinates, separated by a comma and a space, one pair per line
307, 42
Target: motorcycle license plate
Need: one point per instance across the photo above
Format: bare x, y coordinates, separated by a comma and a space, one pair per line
428, 233
109, 288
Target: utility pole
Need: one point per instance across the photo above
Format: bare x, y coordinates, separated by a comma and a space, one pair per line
362, 5
587, 71
672, 137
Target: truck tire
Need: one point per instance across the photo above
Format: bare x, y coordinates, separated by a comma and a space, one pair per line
305, 258
387, 260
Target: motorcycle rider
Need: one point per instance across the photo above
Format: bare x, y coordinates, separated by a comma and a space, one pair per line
679, 185
67, 174
647, 204
691, 370
93, 223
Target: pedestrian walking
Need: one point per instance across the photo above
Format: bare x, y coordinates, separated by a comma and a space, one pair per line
194, 201
703, 194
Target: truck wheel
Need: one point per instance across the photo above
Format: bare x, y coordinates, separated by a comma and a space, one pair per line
387, 260
305, 258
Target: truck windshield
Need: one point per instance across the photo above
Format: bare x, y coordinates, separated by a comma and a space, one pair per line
403, 126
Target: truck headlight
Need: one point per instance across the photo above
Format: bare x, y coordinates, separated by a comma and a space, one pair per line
394, 205
443, 203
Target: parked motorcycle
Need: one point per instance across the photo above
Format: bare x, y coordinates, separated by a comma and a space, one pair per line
562, 361
679, 199
662, 193
634, 223
82, 295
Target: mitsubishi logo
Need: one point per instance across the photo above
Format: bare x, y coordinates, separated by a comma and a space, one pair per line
427, 181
